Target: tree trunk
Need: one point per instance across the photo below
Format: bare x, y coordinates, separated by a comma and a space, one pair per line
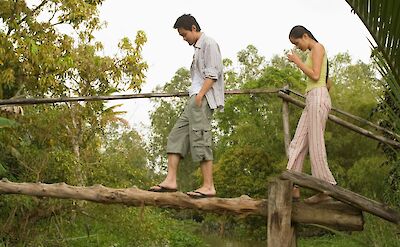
75, 134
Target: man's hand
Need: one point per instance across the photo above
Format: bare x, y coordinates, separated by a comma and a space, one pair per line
198, 100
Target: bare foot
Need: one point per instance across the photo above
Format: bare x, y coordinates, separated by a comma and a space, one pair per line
296, 193
320, 197
160, 188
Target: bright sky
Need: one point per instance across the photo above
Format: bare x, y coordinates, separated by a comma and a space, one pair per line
233, 24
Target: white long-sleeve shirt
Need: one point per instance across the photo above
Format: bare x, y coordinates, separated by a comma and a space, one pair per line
207, 63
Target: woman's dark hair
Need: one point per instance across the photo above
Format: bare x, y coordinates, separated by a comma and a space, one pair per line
186, 22
298, 32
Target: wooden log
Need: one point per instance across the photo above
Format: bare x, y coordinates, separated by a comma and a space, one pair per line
341, 194
345, 124
280, 232
333, 214
342, 217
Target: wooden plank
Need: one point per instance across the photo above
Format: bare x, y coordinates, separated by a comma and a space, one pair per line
339, 216
280, 232
341, 194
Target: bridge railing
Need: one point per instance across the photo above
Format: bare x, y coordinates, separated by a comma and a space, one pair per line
281, 212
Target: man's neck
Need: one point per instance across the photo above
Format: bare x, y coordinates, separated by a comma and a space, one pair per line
198, 35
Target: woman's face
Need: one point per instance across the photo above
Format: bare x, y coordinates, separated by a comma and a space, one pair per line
300, 43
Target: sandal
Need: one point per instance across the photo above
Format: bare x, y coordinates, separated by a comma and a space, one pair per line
161, 189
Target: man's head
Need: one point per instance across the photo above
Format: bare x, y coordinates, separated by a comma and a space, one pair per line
188, 28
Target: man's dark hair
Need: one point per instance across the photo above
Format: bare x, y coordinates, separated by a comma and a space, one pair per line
186, 22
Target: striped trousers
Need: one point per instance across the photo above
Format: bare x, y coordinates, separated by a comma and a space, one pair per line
309, 136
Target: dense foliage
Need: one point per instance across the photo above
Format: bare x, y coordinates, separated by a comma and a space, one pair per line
48, 50
89, 143
381, 18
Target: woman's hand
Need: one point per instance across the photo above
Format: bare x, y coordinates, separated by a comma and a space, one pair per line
293, 57
329, 84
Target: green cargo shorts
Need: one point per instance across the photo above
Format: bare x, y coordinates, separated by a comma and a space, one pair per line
192, 132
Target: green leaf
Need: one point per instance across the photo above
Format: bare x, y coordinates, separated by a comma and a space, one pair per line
6, 123
34, 47
3, 170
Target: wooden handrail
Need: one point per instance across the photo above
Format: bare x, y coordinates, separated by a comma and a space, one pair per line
359, 119
282, 92
344, 123
379, 209
33, 101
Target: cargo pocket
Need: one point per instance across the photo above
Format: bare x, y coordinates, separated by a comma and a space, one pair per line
201, 143
201, 138
207, 137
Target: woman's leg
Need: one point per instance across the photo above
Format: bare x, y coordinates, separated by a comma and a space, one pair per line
298, 147
319, 107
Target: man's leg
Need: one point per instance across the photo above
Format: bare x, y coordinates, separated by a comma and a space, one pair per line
170, 180
208, 182
200, 144
207, 189
177, 148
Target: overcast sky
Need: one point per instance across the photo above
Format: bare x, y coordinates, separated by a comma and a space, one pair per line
233, 24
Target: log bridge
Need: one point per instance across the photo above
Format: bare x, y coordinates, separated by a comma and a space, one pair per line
282, 213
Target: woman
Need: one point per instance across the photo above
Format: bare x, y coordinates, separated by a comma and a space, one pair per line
309, 135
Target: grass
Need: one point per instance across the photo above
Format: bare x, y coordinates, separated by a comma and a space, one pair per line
330, 241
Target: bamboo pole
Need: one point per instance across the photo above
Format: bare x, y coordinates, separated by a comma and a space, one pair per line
123, 96
341, 216
345, 124
361, 120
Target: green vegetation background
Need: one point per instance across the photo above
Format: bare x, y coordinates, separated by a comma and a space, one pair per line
89, 143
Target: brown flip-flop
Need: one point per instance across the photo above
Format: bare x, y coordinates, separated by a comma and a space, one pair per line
198, 195
162, 189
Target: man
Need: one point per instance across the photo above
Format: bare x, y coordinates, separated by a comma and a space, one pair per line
192, 131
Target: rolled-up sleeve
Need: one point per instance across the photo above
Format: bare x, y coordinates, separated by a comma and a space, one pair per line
207, 63
212, 61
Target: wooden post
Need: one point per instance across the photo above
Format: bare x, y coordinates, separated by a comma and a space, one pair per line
280, 232
285, 120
